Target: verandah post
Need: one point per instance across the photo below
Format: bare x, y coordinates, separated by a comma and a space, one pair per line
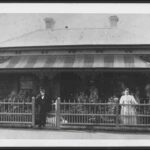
58, 113
117, 115
33, 112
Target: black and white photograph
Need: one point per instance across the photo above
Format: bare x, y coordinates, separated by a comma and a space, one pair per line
75, 76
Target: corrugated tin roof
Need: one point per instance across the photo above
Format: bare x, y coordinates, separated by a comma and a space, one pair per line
76, 36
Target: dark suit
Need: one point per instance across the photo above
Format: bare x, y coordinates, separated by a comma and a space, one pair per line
44, 107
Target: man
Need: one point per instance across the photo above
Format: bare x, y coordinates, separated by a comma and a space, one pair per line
44, 106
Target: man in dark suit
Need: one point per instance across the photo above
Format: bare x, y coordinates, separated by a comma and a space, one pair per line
44, 106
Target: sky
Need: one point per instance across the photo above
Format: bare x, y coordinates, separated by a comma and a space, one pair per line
13, 25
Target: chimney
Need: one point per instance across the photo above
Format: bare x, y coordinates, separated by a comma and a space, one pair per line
66, 27
113, 20
49, 23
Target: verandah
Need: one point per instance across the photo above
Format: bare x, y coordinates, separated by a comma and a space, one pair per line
101, 112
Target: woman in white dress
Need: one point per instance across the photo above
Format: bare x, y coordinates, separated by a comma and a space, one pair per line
128, 110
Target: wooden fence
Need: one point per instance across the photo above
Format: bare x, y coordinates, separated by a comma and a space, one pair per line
79, 115
17, 113
103, 115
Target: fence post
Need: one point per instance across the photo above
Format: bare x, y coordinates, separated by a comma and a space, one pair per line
33, 112
58, 113
117, 114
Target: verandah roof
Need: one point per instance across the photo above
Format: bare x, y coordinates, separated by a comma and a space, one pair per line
75, 61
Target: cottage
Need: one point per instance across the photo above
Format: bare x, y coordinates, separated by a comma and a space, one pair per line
79, 65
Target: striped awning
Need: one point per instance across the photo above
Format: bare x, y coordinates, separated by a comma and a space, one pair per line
75, 61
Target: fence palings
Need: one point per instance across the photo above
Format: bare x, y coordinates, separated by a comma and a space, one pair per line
17, 113
105, 114
52, 119
81, 114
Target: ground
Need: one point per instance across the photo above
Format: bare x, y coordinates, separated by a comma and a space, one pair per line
13, 137
17, 133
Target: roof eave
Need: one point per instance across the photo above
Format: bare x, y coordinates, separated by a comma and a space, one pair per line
78, 47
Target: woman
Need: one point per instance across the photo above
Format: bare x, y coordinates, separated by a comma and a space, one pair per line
128, 110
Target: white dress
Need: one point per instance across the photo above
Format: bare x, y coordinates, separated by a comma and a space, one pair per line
128, 111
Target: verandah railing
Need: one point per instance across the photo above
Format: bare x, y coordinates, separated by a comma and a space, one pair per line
70, 114
103, 115
17, 113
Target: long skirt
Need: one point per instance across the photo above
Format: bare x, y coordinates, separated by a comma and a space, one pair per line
128, 115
